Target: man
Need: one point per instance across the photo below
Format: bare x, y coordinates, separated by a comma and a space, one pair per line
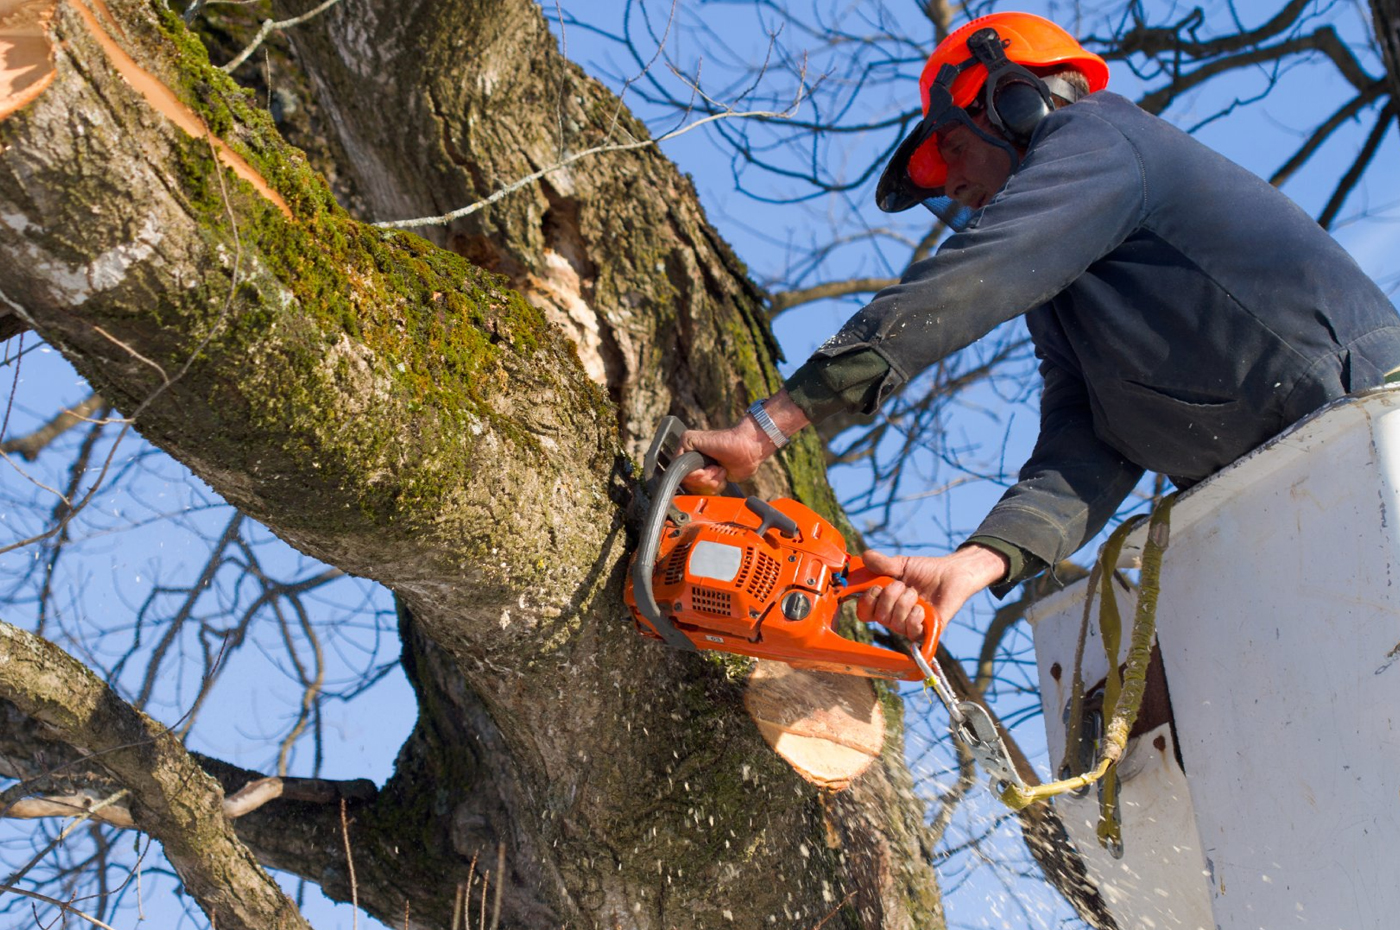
1183, 310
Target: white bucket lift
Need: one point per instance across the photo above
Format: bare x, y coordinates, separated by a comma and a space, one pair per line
1279, 631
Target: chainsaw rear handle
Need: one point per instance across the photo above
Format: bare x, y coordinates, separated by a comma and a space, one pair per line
860, 579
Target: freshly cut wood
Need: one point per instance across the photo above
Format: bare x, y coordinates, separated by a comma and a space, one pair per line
828, 727
26, 65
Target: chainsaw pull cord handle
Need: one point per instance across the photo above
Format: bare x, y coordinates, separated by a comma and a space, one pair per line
649, 542
772, 518
860, 579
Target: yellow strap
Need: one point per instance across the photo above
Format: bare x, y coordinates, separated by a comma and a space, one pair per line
1075, 725
1124, 704
1111, 635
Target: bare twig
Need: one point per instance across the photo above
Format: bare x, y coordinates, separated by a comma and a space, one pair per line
1358, 167
167, 381
1345, 113
500, 885
29, 446
252, 796
485, 883
786, 300
66, 908
206, 578
464, 896
834, 911
586, 153
350, 867
948, 802
269, 26
63, 834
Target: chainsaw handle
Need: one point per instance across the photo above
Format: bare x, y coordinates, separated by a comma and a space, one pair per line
772, 518
649, 542
860, 579
665, 448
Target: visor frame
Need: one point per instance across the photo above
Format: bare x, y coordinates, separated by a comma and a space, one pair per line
897, 190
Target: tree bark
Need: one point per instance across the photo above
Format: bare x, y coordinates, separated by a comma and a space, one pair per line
391, 409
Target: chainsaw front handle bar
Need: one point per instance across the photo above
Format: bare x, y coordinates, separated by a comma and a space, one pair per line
860, 579
649, 543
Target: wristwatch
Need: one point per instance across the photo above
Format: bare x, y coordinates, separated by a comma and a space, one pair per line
765, 423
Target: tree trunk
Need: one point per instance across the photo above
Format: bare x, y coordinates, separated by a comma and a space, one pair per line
388, 407
1385, 15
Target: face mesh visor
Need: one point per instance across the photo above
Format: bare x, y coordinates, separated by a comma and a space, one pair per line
916, 173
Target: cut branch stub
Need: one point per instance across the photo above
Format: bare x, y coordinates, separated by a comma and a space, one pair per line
26, 59
828, 727
178, 803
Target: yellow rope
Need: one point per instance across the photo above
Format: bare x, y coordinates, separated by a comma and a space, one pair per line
1123, 705
1075, 725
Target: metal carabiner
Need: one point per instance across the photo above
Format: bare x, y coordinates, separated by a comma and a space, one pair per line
972, 726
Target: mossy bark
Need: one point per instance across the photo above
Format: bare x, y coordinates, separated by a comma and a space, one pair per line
391, 408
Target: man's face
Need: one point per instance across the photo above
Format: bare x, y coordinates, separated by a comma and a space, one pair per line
977, 170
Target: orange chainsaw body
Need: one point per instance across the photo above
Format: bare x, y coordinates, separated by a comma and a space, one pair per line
729, 581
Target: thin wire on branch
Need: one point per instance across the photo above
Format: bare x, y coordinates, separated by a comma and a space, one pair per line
586, 153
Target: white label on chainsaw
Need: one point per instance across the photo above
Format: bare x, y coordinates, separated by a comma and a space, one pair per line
715, 561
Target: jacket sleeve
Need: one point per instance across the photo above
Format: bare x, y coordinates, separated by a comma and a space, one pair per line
1070, 487
1079, 193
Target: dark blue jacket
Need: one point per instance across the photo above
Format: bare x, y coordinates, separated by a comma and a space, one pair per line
1183, 309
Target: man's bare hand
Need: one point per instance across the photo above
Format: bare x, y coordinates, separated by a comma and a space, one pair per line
739, 450
945, 582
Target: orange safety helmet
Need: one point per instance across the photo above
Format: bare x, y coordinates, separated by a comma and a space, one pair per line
1002, 47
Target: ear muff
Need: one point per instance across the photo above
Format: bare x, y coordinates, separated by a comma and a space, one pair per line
1017, 107
1015, 99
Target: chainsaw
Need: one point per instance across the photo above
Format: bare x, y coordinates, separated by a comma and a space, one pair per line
759, 578
766, 579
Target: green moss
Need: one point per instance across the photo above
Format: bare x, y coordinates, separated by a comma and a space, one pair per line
443, 332
734, 667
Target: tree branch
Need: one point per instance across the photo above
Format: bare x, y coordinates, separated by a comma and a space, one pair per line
1320, 135
1358, 167
176, 802
61, 905
786, 300
269, 26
